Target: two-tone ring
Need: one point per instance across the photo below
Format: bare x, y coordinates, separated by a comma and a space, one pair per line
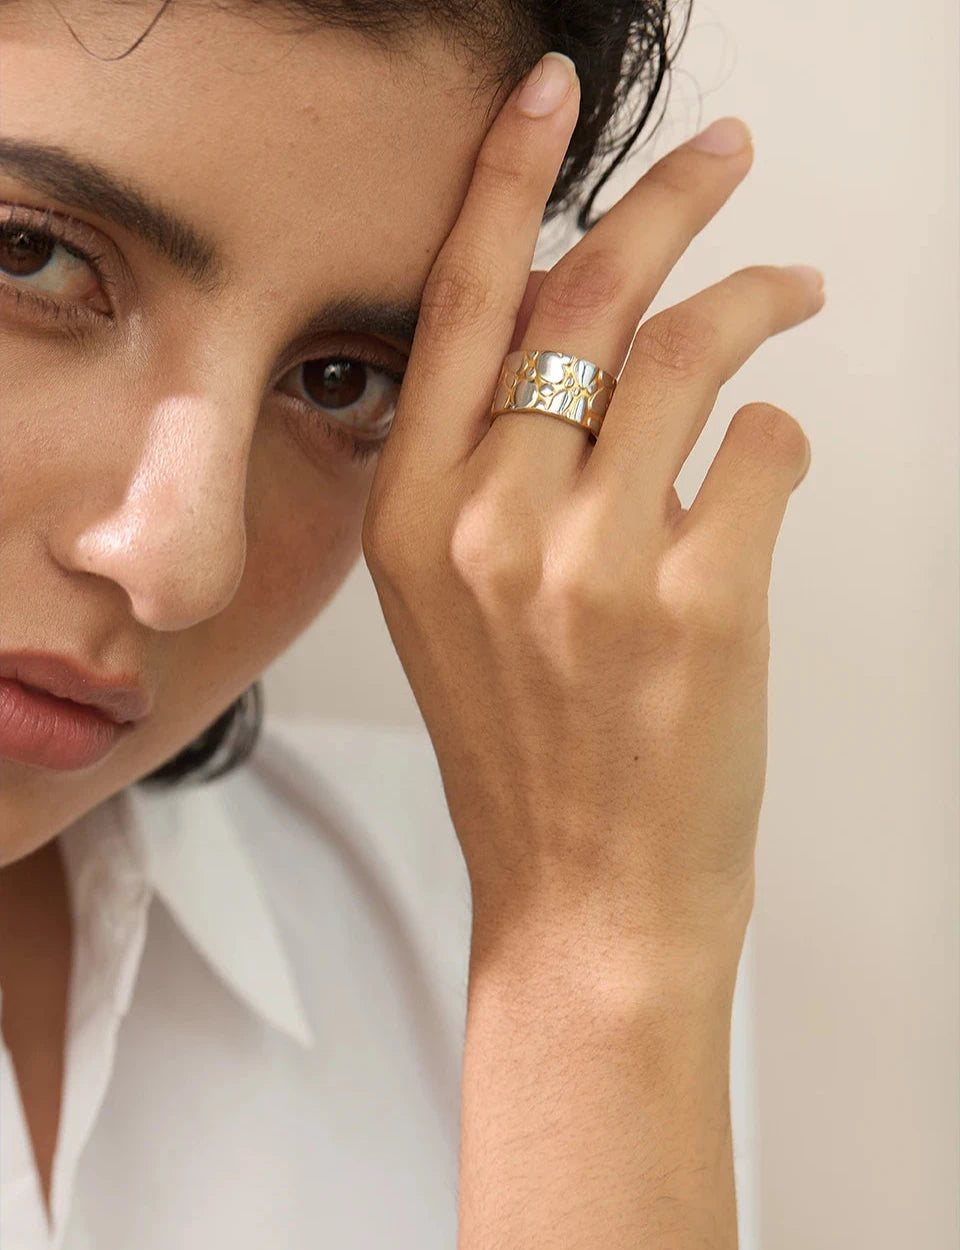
556, 384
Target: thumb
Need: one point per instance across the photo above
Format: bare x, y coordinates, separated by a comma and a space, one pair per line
526, 306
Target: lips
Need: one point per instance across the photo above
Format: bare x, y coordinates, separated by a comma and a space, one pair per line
117, 697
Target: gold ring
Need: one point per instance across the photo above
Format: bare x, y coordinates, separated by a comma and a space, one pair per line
556, 384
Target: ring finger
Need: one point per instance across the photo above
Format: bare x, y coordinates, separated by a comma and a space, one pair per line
591, 301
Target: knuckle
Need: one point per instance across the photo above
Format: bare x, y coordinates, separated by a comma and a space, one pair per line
582, 289
578, 595
676, 173
460, 291
698, 600
503, 177
770, 433
489, 555
678, 342
585, 597
577, 614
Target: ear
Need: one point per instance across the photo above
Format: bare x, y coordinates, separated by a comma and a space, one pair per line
526, 306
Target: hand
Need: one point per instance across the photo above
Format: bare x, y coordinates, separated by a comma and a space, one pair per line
590, 658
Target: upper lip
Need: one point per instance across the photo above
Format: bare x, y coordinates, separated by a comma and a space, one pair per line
119, 698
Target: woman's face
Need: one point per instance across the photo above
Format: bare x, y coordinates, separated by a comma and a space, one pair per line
178, 492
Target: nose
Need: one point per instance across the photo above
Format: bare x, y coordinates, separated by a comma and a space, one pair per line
176, 542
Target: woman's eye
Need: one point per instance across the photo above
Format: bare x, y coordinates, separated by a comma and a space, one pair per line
36, 261
352, 396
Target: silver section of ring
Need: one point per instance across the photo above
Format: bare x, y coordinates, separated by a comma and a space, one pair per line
556, 384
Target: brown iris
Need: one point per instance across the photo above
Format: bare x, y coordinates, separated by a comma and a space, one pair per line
23, 252
334, 383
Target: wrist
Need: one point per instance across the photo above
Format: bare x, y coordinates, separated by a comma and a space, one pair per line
610, 980
594, 941
596, 1074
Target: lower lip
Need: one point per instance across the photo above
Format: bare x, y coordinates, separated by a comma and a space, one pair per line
38, 728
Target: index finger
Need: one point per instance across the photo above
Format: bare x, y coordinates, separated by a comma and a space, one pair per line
475, 288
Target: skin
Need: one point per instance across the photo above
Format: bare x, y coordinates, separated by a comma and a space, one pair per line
165, 511
590, 660
34, 977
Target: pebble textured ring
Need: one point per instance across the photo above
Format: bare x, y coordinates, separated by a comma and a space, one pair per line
568, 387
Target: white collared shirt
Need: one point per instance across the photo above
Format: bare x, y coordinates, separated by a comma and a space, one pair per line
267, 1011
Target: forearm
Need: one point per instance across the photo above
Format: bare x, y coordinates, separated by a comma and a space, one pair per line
595, 1105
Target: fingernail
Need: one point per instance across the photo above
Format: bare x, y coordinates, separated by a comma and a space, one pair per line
812, 277
546, 86
723, 137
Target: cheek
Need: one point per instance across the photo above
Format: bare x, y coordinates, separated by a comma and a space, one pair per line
303, 537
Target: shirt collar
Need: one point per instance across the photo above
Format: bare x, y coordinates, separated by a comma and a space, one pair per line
192, 855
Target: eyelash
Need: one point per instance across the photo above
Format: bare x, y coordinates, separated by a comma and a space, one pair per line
361, 449
43, 227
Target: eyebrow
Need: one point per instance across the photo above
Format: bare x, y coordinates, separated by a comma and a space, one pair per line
79, 182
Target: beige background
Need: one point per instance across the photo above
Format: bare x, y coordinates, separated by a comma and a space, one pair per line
854, 939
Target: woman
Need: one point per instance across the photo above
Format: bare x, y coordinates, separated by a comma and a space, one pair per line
226, 235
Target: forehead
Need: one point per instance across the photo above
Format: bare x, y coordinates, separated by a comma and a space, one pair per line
307, 153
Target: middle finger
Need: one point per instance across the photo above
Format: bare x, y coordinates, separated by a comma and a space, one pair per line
591, 301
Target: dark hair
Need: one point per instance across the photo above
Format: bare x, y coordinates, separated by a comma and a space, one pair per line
620, 49
233, 735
